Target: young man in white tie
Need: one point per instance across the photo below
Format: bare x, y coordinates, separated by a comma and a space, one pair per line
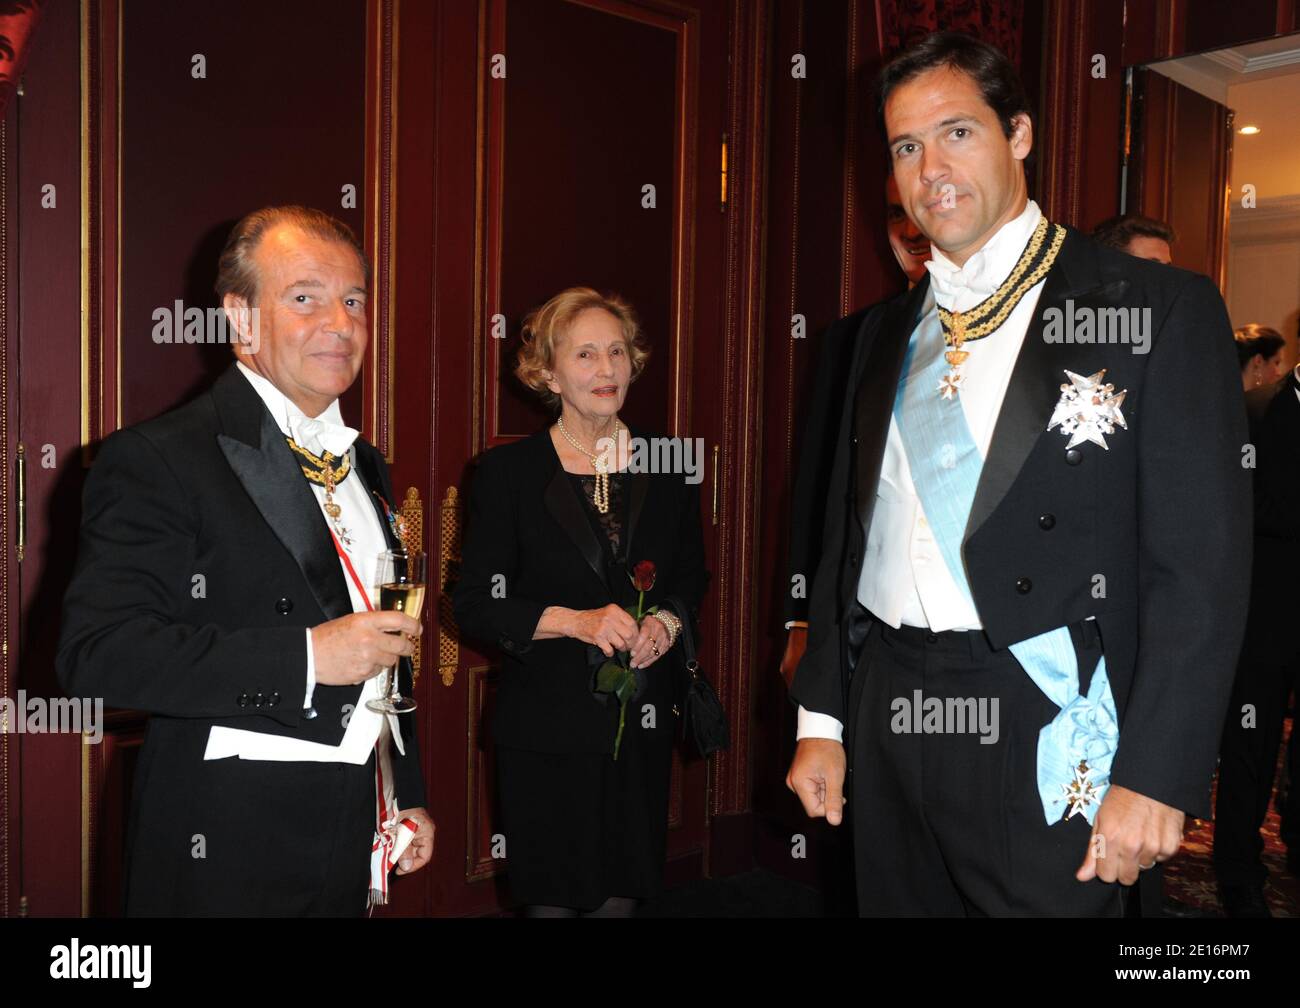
1024, 626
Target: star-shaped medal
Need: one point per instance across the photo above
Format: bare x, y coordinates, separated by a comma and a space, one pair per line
1080, 792
1087, 409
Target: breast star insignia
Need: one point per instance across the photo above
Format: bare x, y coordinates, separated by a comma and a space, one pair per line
1087, 410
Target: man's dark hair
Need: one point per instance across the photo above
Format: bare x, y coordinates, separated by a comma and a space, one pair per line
1119, 231
993, 73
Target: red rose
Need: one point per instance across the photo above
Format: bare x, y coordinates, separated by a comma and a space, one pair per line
643, 575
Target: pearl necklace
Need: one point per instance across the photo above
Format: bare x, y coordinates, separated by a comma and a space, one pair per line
599, 462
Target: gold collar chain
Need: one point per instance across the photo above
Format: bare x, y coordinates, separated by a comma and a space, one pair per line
1039, 254
321, 469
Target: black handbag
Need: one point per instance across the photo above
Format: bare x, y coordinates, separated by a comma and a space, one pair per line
703, 718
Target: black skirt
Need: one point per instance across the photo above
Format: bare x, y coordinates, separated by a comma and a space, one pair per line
582, 827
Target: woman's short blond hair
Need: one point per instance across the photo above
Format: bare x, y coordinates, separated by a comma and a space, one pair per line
544, 326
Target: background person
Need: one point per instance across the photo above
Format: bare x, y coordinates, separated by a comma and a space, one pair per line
1139, 236
1259, 351
817, 445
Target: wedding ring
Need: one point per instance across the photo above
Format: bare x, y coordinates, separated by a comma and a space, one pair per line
1146, 867
654, 647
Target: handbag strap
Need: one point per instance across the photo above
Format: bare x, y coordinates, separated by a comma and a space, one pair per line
688, 636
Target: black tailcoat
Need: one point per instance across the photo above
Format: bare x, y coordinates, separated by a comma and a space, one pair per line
212, 489
1151, 535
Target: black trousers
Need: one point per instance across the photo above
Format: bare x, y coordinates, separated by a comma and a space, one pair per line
946, 824
254, 838
1268, 670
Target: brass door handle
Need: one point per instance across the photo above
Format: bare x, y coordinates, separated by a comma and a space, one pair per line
716, 450
411, 512
20, 485
448, 555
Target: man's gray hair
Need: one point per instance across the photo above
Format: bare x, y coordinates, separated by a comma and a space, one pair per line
236, 272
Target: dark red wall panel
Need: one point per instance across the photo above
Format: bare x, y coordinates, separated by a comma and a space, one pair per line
280, 118
578, 147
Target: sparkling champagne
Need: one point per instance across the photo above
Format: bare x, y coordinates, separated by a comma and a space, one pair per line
401, 577
404, 598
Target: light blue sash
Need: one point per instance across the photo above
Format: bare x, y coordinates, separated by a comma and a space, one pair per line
946, 466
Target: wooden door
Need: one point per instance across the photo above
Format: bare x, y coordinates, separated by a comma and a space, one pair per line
1178, 168
597, 128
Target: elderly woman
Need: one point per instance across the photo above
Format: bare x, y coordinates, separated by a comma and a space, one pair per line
1259, 351
557, 523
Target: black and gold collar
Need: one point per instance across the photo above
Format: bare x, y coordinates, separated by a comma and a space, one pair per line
1035, 260
314, 466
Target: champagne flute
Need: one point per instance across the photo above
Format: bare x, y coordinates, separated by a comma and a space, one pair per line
401, 588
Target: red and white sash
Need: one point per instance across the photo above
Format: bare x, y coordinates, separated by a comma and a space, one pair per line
391, 836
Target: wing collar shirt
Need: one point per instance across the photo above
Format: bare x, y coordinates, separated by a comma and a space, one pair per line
325, 432
904, 579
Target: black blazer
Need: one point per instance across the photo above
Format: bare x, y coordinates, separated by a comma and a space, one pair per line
1274, 414
824, 401
527, 525
1162, 515
210, 488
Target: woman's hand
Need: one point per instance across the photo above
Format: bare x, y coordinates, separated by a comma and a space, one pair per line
651, 643
610, 629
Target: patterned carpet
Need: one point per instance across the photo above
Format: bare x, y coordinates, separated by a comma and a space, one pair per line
1189, 879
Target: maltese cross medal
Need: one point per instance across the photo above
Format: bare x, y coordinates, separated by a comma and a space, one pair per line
1087, 409
1080, 792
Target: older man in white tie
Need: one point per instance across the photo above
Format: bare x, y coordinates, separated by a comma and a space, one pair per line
224, 584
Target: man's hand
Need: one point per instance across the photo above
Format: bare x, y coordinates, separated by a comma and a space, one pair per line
1134, 831
796, 642
420, 850
353, 648
817, 777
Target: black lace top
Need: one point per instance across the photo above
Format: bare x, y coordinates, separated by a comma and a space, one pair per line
609, 527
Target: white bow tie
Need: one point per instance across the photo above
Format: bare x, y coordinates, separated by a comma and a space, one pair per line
984, 272
322, 434
969, 285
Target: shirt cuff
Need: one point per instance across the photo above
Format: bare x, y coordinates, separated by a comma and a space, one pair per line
311, 674
801, 624
814, 725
